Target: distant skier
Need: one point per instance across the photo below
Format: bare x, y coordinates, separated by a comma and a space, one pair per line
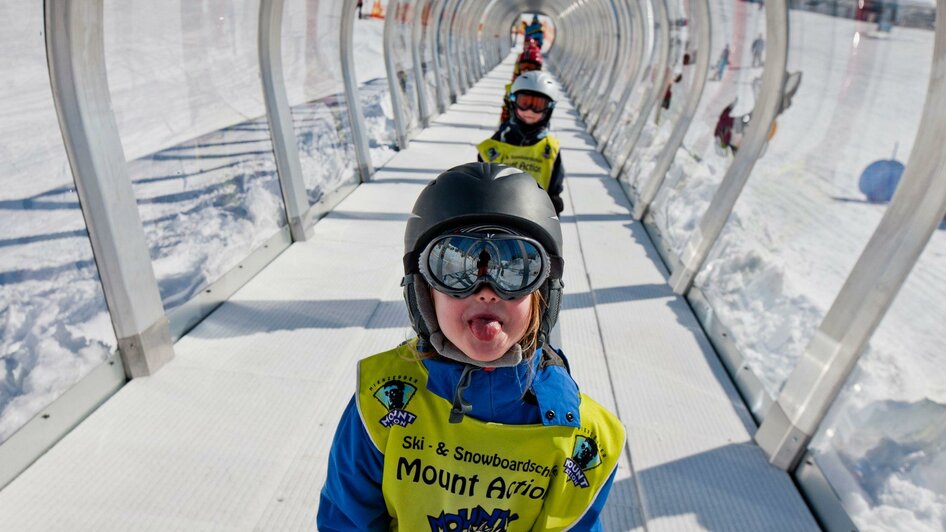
360, 5
758, 46
722, 63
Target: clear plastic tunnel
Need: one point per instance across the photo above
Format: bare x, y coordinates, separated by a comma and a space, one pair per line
785, 158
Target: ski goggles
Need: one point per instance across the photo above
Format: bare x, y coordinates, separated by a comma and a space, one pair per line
460, 264
535, 102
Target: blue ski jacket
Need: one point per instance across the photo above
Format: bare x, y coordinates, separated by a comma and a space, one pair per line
351, 498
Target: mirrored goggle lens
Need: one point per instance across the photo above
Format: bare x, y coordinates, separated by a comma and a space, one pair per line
458, 263
532, 101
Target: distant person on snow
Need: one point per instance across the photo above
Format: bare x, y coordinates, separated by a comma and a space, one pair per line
758, 46
524, 141
722, 63
360, 5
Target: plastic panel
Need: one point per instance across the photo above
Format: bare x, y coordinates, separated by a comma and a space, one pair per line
401, 14
677, 77
620, 70
882, 446
314, 85
372, 77
428, 72
440, 82
447, 72
702, 159
184, 81
618, 141
622, 90
654, 87
605, 39
462, 41
695, 66
56, 326
456, 40
802, 221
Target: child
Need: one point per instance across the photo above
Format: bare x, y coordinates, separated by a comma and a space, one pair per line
530, 59
524, 141
536, 31
475, 424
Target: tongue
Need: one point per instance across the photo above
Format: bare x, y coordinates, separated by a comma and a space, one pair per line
485, 329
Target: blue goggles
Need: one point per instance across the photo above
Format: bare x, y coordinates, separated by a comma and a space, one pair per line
460, 264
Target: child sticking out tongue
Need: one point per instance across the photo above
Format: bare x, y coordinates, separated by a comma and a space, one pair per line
485, 327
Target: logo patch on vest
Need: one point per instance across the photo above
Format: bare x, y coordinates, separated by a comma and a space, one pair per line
473, 520
548, 151
585, 456
492, 154
395, 394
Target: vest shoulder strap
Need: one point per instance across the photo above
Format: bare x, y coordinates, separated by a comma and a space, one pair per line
386, 384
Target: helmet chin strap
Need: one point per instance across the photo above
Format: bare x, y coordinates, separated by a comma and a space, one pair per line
443, 346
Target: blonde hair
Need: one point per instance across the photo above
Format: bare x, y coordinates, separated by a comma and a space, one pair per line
531, 337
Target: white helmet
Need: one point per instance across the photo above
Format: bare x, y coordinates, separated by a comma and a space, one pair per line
537, 82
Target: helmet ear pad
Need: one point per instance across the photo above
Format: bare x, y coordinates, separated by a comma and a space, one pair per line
425, 304
420, 306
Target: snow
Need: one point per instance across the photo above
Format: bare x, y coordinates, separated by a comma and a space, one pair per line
375, 93
191, 124
52, 310
794, 236
201, 164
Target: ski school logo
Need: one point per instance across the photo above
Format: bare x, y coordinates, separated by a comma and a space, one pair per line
473, 520
585, 456
394, 395
492, 154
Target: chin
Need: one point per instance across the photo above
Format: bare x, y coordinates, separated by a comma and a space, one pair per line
486, 353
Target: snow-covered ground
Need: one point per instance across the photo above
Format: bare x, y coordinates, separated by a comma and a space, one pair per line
55, 328
796, 232
205, 180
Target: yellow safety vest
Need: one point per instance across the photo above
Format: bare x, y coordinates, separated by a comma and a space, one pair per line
475, 475
538, 159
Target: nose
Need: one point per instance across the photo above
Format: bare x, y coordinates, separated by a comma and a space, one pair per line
487, 295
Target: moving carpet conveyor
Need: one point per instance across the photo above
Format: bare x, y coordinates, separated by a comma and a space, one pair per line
234, 432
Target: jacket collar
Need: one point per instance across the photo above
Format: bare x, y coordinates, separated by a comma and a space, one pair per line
539, 390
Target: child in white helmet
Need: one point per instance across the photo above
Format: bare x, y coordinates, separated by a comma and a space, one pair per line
476, 424
524, 141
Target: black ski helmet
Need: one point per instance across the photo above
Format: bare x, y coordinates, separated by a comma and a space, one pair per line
490, 195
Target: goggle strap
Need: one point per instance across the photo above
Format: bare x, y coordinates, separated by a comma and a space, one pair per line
411, 259
556, 267
550, 315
